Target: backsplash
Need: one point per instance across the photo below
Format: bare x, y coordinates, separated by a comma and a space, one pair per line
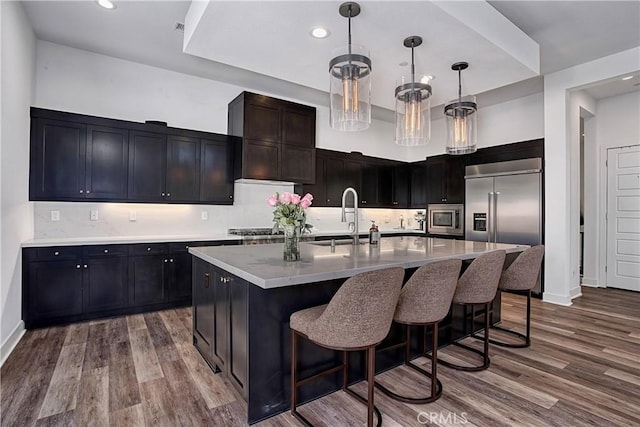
249, 210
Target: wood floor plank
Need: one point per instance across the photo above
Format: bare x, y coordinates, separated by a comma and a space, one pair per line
158, 404
97, 353
162, 341
133, 416
145, 359
92, 407
63, 389
123, 383
135, 321
78, 333
624, 376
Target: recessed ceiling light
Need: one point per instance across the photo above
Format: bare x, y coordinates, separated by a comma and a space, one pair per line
107, 4
426, 79
319, 33
627, 78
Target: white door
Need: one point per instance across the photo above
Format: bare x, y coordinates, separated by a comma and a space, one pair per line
623, 218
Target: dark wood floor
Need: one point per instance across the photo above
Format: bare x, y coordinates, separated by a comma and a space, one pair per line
583, 368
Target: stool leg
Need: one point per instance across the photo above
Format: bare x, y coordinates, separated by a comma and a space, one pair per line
434, 361
294, 373
528, 336
371, 367
345, 370
486, 335
407, 348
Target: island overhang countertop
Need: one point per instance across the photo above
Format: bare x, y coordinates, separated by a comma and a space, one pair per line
263, 265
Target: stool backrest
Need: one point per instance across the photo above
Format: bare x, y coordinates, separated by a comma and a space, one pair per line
523, 272
479, 283
427, 295
360, 314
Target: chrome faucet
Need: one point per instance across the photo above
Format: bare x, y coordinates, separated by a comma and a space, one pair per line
354, 210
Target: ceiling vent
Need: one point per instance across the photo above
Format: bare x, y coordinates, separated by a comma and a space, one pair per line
179, 26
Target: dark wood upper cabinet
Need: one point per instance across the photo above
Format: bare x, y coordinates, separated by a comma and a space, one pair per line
58, 151
445, 179
216, 171
278, 138
147, 166
418, 180
401, 186
76, 157
107, 162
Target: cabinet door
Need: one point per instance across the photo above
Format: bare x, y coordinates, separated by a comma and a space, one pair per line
147, 279
352, 174
54, 289
369, 196
107, 163
419, 185
219, 346
183, 169
260, 160
262, 119
299, 126
147, 166
334, 177
180, 289
238, 333
401, 186
203, 309
58, 160
216, 178
105, 284
317, 189
436, 180
454, 184
297, 164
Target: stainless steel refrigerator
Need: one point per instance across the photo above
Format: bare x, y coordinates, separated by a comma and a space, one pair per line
504, 203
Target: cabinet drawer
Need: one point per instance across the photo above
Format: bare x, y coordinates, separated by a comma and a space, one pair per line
55, 253
148, 249
105, 250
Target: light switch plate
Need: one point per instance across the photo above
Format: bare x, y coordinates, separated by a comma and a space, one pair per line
94, 215
55, 215
133, 216
204, 215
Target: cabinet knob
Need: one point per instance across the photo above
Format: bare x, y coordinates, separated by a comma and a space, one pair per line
186, 247
162, 194
166, 260
106, 251
231, 196
88, 191
148, 249
206, 280
171, 260
168, 194
81, 191
77, 265
85, 266
56, 253
364, 202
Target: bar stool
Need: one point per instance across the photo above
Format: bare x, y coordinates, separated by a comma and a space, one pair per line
358, 317
478, 285
521, 276
425, 300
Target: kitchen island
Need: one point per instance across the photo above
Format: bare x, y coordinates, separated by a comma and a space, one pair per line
243, 297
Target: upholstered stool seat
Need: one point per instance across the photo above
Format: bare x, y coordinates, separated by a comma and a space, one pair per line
425, 300
478, 285
521, 277
358, 317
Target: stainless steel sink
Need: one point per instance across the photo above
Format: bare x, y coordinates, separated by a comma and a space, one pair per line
340, 242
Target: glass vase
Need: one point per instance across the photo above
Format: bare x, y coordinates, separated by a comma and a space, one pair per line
291, 243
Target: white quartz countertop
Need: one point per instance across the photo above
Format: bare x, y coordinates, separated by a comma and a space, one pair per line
114, 240
263, 265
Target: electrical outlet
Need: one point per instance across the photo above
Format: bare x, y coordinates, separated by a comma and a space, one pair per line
94, 215
204, 215
133, 216
55, 215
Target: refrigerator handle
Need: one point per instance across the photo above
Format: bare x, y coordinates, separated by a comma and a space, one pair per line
495, 216
489, 216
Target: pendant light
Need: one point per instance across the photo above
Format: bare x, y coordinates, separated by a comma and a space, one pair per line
461, 119
350, 81
413, 104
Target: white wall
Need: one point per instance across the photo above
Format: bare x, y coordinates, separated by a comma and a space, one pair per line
560, 226
518, 120
617, 124
18, 65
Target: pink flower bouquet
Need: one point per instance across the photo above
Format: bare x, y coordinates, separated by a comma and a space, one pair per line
290, 211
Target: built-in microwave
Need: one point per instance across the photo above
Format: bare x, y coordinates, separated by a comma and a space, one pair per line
446, 219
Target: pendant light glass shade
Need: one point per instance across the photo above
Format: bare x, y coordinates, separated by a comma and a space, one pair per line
413, 104
350, 82
461, 116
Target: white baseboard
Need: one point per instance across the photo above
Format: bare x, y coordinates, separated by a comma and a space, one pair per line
590, 281
10, 343
575, 292
556, 299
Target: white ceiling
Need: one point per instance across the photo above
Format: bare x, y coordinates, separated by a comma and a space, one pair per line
568, 33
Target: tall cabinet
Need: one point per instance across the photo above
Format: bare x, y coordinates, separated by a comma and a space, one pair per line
279, 138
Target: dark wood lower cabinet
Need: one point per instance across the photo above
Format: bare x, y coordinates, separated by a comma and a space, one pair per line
220, 319
75, 283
